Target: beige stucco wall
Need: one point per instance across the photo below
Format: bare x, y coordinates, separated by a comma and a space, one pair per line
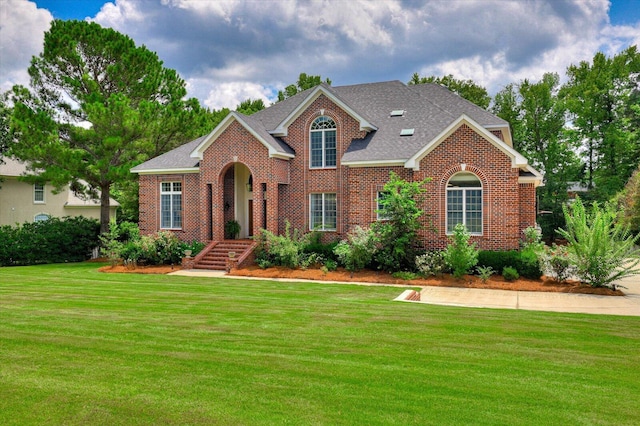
17, 205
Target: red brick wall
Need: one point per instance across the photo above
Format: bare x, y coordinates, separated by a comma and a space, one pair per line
294, 198
507, 207
149, 203
501, 195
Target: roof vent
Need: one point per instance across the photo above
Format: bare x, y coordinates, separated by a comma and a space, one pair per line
397, 113
406, 132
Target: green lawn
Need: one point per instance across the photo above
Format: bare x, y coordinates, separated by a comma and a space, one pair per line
81, 347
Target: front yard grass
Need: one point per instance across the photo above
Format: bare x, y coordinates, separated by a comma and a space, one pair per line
82, 347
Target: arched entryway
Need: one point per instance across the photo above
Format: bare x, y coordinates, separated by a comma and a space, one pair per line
238, 198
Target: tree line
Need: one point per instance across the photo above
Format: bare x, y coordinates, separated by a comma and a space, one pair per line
98, 105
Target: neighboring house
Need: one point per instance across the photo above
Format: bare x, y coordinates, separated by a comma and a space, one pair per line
320, 159
25, 202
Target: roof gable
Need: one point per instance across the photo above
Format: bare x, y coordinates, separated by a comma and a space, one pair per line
517, 160
315, 93
276, 147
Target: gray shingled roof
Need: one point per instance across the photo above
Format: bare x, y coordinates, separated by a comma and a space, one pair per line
178, 158
429, 109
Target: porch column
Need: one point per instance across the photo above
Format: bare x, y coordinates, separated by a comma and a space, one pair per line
272, 207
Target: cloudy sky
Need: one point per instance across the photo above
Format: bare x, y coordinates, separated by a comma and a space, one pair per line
231, 50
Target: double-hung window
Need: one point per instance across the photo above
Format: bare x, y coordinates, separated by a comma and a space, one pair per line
464, 203
322, 138
323, 212
171, 205
38, 193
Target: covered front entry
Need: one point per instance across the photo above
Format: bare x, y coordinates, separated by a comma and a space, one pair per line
238, 200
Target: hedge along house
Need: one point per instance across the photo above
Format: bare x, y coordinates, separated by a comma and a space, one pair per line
320, 159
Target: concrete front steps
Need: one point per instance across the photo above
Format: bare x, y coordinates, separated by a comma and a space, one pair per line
215, 255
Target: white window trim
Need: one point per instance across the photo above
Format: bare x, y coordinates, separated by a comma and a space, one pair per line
44, 199
464, 209
322, 228
324, 147
171, 192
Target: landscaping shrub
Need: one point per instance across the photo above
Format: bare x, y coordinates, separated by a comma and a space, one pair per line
485, 272
557, 263
281, 250
460, 255
124, 243
601, 249
431, 263
526, 262
70, 239
510, 274
357, 251
315, 245
397, 235
405, 275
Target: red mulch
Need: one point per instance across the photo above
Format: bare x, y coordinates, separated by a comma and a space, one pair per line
470, 281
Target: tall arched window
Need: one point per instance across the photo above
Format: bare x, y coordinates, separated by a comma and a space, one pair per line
323, 142
464, 202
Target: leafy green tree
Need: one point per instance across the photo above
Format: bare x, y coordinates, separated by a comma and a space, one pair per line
537, 118
630, 202
248, 107
304, 82
5, 127
601, 248
99, 105
398, 233
468, 89
602, 98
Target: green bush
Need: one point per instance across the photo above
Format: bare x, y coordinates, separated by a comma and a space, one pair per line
601, 249
281, 250
431, 263
460, 255
526, 262
557, 263
124, 243
357, 251
510, 274
315, 245
485, 272
70, 239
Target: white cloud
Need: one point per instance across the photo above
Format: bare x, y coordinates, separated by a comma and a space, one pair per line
230, 50
231, 94
21, 37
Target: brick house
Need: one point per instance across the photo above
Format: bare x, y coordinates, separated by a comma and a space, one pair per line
320, 159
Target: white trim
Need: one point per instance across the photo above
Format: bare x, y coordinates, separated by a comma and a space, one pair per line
464, 205
283, 127
168, 171
323, 229
171, 193
220, 128
517, 160
374, 163
323, 133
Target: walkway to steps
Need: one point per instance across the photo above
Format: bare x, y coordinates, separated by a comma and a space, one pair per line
216, 254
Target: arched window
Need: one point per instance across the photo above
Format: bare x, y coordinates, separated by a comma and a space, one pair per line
323, 143
464, 202
41, 217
